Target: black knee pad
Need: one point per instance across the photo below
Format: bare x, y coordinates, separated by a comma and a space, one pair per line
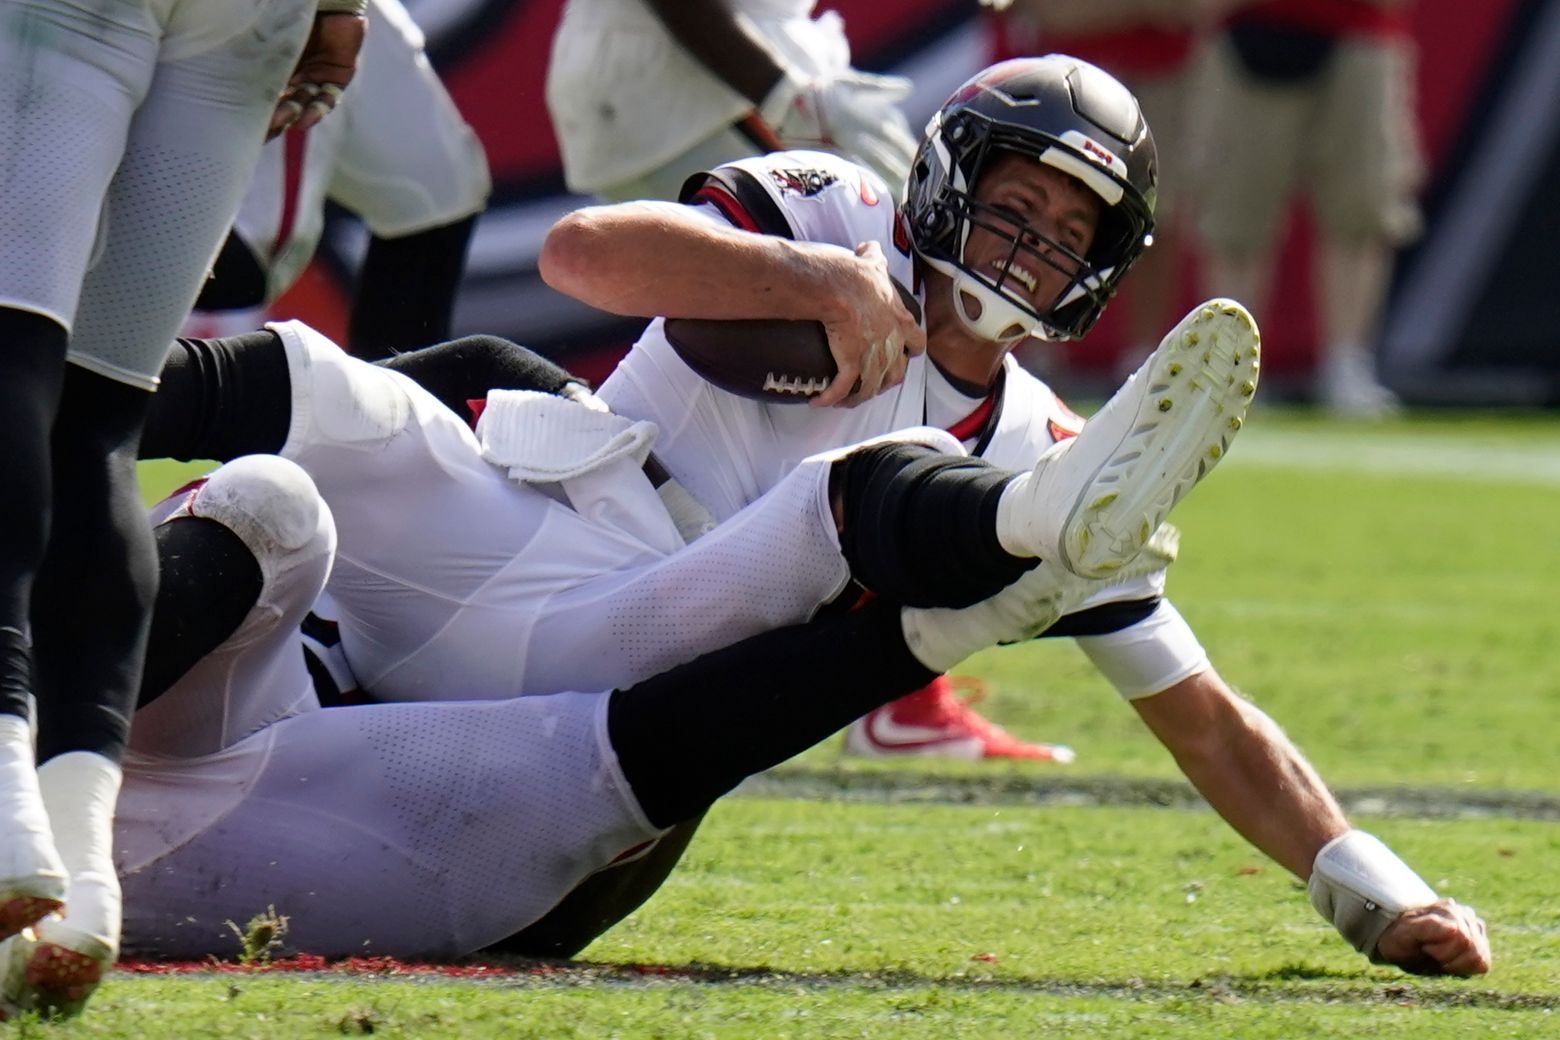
920, 526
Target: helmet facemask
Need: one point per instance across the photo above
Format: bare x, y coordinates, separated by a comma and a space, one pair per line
960, 146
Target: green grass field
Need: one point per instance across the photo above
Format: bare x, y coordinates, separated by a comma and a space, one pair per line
1386, 592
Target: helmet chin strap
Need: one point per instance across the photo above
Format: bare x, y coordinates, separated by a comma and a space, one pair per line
1000, 320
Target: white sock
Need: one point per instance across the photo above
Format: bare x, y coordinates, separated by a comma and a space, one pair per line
1012, 520
80, 790
1023, 528
939, 638
21, 807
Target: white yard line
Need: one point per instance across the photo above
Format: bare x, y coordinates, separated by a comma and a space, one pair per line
1402, 454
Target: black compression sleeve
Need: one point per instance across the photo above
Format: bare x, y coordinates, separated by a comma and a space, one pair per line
406, 290
690, 735
920, 527
468, 368
221, 398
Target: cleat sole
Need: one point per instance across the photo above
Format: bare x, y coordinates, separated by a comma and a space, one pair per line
1208, 369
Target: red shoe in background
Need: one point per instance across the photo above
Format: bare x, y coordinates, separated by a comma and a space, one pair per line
937, 722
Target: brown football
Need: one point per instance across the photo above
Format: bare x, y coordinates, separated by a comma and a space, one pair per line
768, 359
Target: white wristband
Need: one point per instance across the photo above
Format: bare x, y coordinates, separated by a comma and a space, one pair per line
342, 7
1361, 886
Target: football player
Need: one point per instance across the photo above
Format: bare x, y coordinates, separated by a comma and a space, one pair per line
1087, 215
1031, 196
642, 95
471, 819
243, 778
398, 155
128, 131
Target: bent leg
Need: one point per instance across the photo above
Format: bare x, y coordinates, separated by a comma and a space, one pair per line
226, 658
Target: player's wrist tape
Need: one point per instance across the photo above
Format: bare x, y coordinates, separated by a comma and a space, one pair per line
1361, 886
342, 7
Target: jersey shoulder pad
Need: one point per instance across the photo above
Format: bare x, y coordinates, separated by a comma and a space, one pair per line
803, 195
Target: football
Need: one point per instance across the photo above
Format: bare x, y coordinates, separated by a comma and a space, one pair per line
768, 359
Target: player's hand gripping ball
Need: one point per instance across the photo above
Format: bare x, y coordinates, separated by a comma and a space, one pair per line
768, 359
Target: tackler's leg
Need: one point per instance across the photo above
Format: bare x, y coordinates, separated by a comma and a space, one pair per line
32, 356
185, 158
688, 736
244, 555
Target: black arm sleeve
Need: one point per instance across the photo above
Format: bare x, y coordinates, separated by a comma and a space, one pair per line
222, 398
466, 369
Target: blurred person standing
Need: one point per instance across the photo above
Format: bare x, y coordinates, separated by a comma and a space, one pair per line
1149, 45
399, 156
1312, 96
643, 93
128, 131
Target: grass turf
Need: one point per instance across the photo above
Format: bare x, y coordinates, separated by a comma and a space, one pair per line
1384, 591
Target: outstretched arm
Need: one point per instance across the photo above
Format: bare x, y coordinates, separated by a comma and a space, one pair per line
1255, 778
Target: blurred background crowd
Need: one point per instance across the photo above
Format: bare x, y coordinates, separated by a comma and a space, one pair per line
1375, 178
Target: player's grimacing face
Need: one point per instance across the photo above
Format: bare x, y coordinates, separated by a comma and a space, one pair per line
1042, 206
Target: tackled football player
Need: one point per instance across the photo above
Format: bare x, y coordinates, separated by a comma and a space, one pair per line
540, 534
1029, 199
237, 775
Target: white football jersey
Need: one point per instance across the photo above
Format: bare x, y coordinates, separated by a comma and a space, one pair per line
728, 450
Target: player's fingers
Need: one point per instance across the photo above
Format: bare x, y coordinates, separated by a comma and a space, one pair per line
873, 368
898, 365
286, 114
844, 382
1464, 955
323, 100
895, 361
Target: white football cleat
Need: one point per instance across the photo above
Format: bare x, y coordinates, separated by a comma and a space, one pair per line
55, 969
32, 878
1092, 502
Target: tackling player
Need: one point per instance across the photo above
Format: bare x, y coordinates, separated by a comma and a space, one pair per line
127, 132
